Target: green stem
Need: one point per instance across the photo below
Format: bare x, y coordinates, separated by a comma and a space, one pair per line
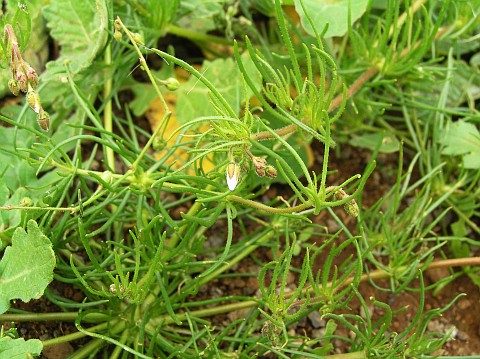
118, 349
10, 207
143, 63
74, 336
52, 317
268, 209
107, 111
87, 349
197, 206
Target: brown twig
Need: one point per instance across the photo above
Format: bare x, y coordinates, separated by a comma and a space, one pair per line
336, 102
381, 274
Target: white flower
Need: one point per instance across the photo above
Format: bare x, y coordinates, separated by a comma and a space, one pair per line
233, 175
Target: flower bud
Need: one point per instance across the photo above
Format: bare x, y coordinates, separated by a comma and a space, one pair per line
26, 202
32, 76
13, 86
138, 38
233, 175
116, 25
117, 35
113, 289
107, 177
260, 172
159, 143
352, 208
21, 78
271, 171
43, 119
33, 100
171, 84
259, 163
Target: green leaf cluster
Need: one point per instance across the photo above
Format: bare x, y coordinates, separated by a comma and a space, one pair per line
114, 210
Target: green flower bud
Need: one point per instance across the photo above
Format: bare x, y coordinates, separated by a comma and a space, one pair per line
352, 208
159, 143
171, 84
271, 171
117, 35
13, 86
26, 202
138, 38
33, 100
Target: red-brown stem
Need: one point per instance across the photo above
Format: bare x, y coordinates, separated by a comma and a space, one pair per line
353, 89
381, 274
13, 41
336, 102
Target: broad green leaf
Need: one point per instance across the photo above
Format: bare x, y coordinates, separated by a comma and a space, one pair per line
464, 85
198, 15
9, 220
19, 180
462, 138
144, 95
26, 267
4, 195
389, 143
16, 172
193, 95
331, 12
145, 92
80, 28
19, 348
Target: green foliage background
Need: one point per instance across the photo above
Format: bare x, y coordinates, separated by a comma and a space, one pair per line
92, 204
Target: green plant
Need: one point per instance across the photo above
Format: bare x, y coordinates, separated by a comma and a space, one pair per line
143, 224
